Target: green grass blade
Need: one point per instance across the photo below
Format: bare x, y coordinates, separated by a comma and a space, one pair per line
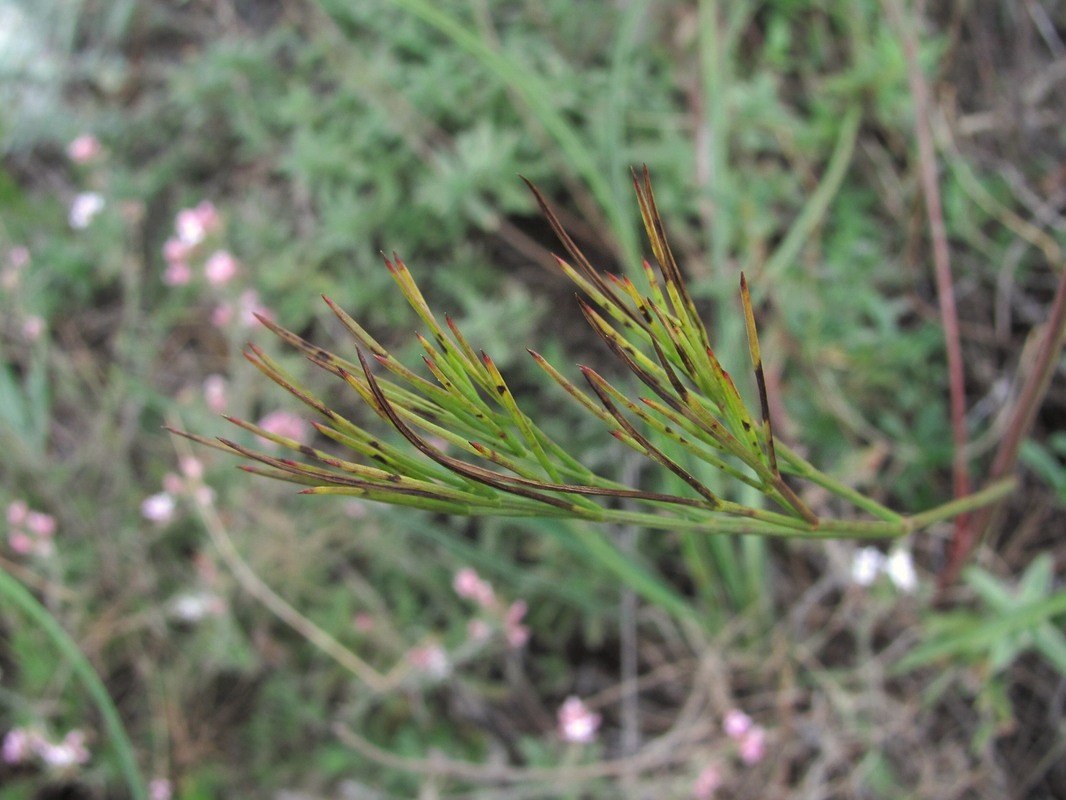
15, 593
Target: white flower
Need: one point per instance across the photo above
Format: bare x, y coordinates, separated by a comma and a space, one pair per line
158, 508
900, 568
69, 752
576, 723
193, 224
85, 206
868, 562
194, 606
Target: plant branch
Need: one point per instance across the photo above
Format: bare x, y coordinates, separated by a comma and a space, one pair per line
963, 537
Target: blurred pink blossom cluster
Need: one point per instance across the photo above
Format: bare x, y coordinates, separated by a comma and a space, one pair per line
161, 508
192, 229
85, 149
432, 659
707, 782
195, 245
750, 740
577, 724
30, 532
243, 311
22, 745
471, 586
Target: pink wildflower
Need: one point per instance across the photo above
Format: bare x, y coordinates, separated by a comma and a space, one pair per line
355, 509
736, 724
517, 634
364, 623
707, 783
18, 257
220, 268
84, 148
752, 745
41, 524
250, 306
469, 584
18, 746
222, 315
191, 467
286, 424
32, 327
177, 273
176, 251
16, 512
21, 542
173, 483
215, 393
478, 630
30, 532
160, 789
430, 659
576, 722
194, 224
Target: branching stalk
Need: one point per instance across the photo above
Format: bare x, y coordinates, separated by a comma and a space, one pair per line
476, 452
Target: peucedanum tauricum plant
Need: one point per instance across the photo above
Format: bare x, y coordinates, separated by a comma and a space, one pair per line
471, 449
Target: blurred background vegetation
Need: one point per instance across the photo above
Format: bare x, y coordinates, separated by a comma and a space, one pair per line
780, 138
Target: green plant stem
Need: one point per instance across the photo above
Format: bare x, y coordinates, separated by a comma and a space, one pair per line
826, 528
992, 493
804, 470
14, 591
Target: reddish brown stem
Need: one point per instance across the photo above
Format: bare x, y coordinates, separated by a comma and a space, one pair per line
1029, 401
963, 539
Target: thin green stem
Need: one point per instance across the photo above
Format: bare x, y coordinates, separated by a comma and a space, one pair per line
804, 470
971, 502
15, 592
